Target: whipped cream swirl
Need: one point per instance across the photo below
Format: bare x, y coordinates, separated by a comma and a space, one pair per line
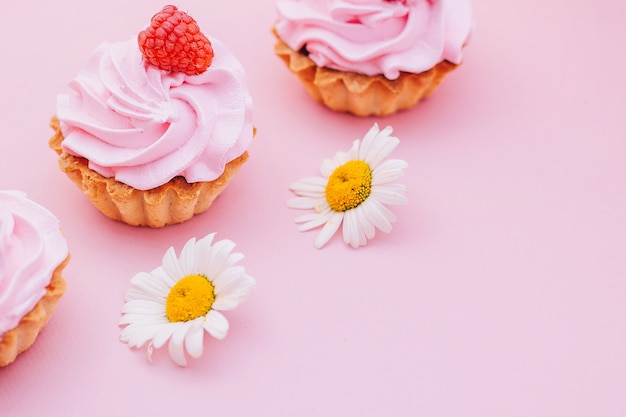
374, 37
144, 126
31, 248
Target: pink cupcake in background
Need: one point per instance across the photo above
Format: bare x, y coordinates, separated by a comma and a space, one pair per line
33, 253
371, 57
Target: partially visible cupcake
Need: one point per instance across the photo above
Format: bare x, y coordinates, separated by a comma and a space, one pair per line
371, 57
155, 127
33, 253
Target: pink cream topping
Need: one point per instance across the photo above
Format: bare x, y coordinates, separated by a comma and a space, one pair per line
144, 126
376, 36
31, 248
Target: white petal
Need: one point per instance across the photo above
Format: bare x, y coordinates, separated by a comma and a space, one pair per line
321, 218
228, 278
217, 258
134, 294
141, 319
161, 275
148, 285
363, 222
151, 294
207, 240
149, 352
233, 292
304, 203
388, 171
176, 347
307, 193
187, 260
368, 140
164, 334
381, 150
136, 336
203, 258
329, 229
310, 217
309, 187
353, 234
216, 324
171, 266
378, 215
329, 165
233, 258
141, 279
353, 153
194, 339
144, 307
392, 194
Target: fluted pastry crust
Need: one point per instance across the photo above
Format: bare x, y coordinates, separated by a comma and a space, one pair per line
22, 336
361, 95
173, 202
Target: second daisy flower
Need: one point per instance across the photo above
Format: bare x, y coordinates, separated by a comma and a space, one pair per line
354, 190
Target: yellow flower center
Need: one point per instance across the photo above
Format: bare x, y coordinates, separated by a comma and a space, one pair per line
190, 298
349, 185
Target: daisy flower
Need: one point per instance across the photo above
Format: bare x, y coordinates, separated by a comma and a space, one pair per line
181, 299
353, 189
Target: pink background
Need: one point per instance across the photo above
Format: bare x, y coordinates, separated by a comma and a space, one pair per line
500, 292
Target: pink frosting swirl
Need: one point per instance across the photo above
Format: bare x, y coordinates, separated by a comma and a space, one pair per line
376, 36
31, 248
145, 126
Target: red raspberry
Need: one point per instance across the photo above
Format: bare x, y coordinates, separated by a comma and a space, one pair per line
173, 42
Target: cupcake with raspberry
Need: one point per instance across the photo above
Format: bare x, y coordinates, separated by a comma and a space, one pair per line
154, 127
33, 253
371, 57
